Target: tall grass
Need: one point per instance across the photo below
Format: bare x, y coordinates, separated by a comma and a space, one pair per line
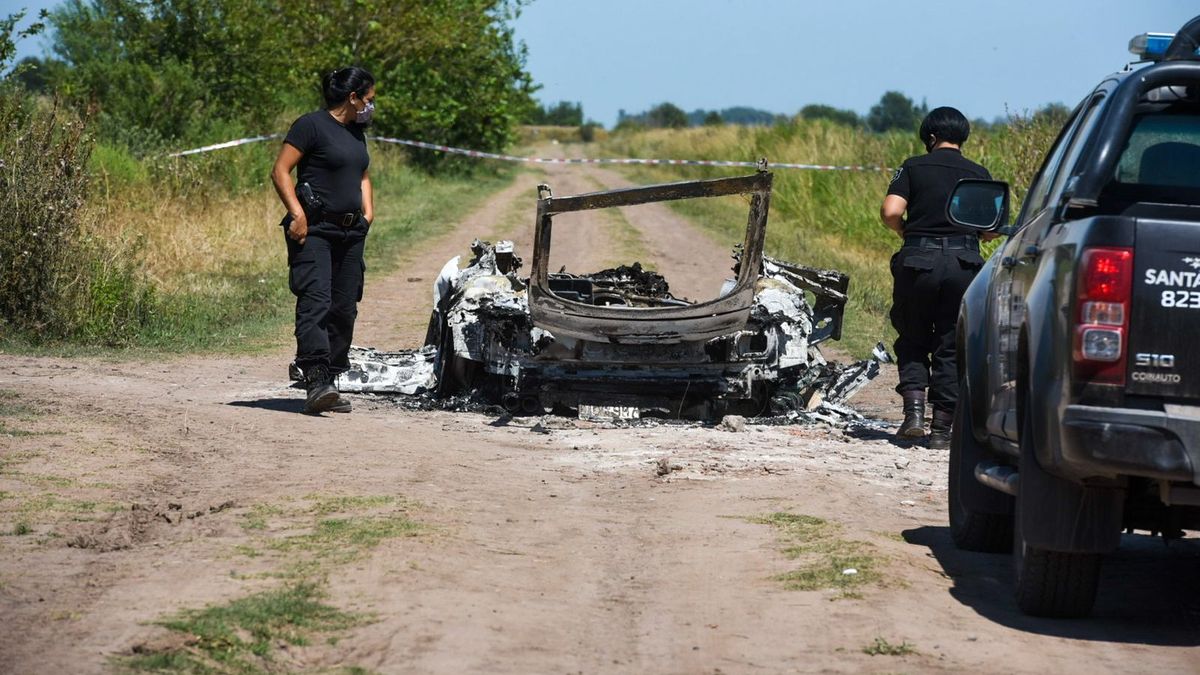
170, 253
213, 246
56, 281
826, 218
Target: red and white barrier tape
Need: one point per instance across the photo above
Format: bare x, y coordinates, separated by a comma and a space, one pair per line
549, 160
226, 144
602, 160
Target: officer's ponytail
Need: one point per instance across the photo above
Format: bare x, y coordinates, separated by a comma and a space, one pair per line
337, 85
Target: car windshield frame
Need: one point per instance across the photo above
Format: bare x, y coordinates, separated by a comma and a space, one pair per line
635, 325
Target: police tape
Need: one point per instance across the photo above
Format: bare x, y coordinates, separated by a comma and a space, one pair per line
611, 160
480, 154
222, 146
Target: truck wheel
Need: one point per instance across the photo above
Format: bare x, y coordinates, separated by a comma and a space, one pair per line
1051, 583
971, 530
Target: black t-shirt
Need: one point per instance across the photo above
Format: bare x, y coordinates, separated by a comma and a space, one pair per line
334, 159
926, 181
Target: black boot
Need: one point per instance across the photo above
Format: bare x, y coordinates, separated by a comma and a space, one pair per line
939, 429
342, 404
321, 393
914, 415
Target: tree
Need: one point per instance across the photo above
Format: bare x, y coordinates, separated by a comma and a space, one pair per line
660, 115
37, 74
817, 111
667, 116
1055, 114
9, 36
751, 116
174, 68
702, 117
587, 131
448, 71
895, 111
563, 113
631, 123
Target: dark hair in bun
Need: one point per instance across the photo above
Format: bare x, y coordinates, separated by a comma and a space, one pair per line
337, 85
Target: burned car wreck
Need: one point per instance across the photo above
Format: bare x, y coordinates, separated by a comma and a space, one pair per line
617, 343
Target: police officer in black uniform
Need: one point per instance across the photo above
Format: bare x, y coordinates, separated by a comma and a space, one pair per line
329, 215
930, 272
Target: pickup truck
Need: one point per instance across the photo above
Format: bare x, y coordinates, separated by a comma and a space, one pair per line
1078, 416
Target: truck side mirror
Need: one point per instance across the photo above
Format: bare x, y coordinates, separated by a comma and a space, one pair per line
978, 204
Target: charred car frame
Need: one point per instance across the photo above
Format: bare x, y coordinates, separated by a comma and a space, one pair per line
616, 342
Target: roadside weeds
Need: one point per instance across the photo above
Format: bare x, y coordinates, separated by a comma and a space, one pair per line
253, 634
826, 560
881, 647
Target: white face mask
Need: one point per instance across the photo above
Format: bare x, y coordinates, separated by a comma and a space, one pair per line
364, 116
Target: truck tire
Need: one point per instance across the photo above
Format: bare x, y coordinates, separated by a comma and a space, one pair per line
1051, 583
971, 530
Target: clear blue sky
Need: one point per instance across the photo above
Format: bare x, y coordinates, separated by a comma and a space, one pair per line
780, 55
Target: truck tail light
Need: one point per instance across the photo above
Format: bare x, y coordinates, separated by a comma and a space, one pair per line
1102, 323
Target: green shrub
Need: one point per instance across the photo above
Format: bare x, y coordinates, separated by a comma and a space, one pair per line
54, 281
168, 72
116, 301
173, 69
114, 167
42, 185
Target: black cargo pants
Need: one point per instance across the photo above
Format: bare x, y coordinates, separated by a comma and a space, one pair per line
930, 276
326, 276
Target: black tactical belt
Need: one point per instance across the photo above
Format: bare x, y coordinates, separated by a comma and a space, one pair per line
962, 241
342, 219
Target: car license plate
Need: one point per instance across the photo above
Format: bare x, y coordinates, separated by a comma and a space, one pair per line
605, 413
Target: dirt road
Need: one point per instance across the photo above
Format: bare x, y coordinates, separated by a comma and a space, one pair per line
528, 546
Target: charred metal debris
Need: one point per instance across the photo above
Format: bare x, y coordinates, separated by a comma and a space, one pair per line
616, 344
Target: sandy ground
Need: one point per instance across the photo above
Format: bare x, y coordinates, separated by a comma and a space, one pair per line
550, 546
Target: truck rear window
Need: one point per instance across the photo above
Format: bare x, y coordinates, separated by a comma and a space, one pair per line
1163, 151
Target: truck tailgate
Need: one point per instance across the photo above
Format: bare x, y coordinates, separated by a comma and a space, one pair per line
1164, 326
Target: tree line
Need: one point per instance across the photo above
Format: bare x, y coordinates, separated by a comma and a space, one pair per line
893, 111
169, 71
162, 72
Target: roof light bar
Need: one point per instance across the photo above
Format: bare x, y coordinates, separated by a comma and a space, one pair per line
1151, 46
